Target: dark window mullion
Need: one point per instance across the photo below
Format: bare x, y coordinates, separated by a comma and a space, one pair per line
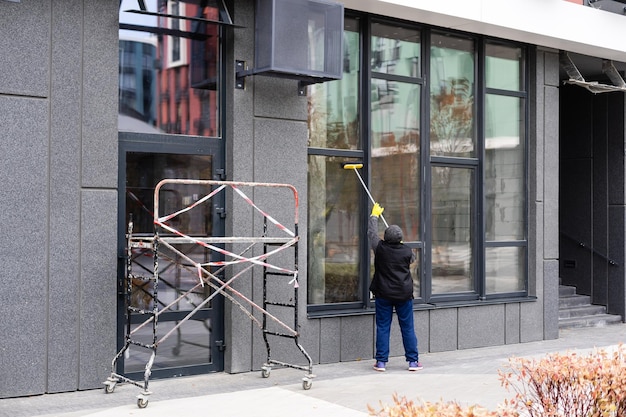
479, 100
508, 93
365, 95
395, 77
426, 208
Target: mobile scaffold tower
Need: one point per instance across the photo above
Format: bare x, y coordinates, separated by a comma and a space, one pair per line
167, 237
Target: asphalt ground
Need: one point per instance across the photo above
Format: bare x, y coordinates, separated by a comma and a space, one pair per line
344, 389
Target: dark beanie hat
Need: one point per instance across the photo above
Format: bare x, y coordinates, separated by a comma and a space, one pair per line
393, 234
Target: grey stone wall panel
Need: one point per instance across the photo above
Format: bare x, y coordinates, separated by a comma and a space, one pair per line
100, 97
550, 297
238, 334
330, 340
443, 330
25, 46
420, 323
552, 68
65, 152
481, 326
278, 98
357, 334
551, 174
98, 286
422, 329
535, 246
24, 220
531, 321
239, 144
278, 158
512, 322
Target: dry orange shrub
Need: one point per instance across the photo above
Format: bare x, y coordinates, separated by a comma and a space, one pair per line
569, 385
402, 407
558, 385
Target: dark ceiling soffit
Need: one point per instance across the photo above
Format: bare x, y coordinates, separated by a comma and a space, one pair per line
195, 19
164, 31
576, 78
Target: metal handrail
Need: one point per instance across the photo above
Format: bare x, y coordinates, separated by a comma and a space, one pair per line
592, 250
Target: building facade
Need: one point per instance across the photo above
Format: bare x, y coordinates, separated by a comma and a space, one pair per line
493, 137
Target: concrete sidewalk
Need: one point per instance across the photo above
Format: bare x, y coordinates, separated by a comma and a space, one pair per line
345, 389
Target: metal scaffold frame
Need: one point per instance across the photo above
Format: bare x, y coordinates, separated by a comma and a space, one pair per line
170, 238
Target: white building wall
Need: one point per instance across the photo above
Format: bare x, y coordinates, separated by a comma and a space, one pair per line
555, 24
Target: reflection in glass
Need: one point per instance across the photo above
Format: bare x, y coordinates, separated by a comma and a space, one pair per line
333, 232
333, 106
452, 130
395, 153
452, 235
503, 67
177, 275
395, 50
504, 186
145, 170
188, 346
168, 84
505, 269
416, 268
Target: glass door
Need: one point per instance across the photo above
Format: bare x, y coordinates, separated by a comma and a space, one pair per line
196, 345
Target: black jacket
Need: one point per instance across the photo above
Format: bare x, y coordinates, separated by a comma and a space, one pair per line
392, 274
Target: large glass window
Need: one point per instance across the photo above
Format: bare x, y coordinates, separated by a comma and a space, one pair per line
438, 121
333, 231
169, 69
334, 258
395, 155
453, 213
395, 131
334, 106
505, 169
452, 118
395, 50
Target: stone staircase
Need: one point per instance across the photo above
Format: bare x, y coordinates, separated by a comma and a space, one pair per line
576, 311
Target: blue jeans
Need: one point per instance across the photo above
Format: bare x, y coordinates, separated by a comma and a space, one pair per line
384, 313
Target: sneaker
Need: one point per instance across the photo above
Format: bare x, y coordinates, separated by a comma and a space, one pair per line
415, 366
379, 366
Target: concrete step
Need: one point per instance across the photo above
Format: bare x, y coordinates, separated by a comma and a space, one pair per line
581, 311
565, 290
575, 300
597, 320
576, 311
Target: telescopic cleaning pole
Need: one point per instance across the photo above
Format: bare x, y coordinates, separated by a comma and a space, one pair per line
355, 168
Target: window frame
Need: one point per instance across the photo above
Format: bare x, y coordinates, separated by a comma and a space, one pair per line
475, 162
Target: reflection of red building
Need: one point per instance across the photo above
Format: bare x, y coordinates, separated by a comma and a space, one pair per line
188, 97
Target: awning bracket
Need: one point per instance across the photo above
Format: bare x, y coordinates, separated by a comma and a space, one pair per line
576, 78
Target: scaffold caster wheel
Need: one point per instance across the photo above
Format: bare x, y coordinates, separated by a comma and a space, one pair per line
176, 351
142, 402
265, 371
109, 387
307, 383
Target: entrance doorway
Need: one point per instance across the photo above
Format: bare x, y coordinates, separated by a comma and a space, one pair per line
591, 194
197, 345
